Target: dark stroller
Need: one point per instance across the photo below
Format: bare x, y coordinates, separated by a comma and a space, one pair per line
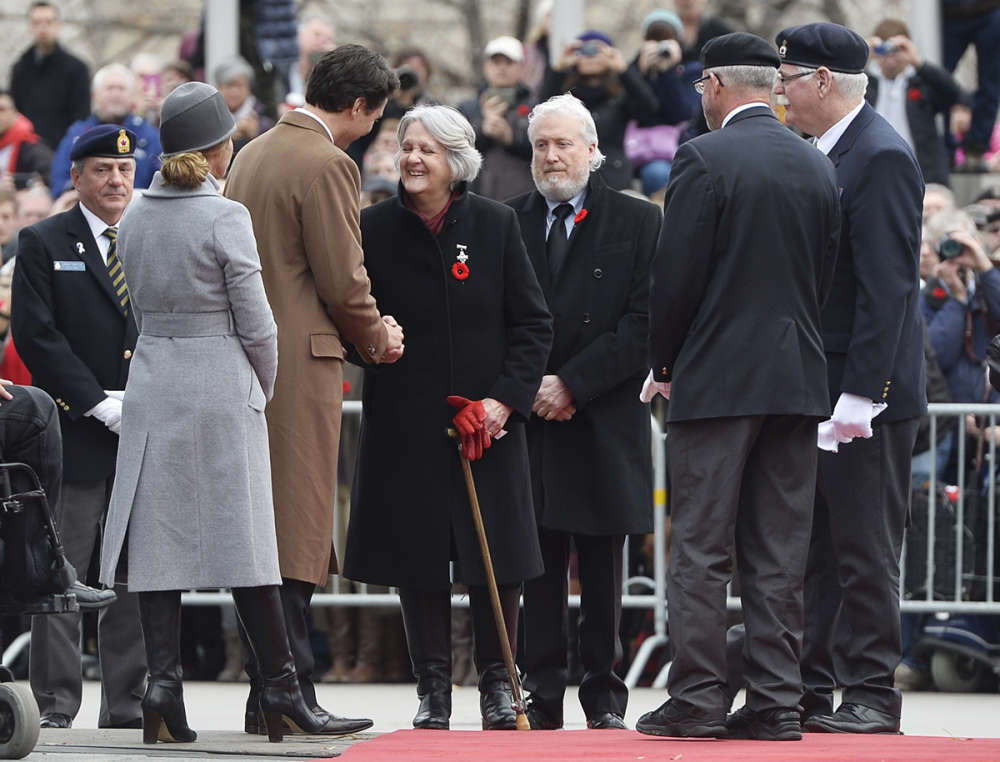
33, 579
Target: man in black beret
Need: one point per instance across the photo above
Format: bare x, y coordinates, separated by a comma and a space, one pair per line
735, 344
873, 339
75, 332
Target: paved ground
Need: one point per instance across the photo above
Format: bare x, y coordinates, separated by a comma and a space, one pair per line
215, 710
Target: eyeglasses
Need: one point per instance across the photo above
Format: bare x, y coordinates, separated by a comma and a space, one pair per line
699, 84
785, 80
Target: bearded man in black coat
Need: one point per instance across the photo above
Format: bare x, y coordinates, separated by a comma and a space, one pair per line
589, 437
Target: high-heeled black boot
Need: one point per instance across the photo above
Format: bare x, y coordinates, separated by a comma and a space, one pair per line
496, 702
163, 715
427, 620
281, 701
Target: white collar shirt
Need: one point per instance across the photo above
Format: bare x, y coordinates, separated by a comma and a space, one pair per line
829, 139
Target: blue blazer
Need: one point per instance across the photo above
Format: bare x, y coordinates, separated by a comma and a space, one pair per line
872, 330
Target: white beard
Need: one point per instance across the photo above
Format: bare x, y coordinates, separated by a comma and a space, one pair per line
561, 190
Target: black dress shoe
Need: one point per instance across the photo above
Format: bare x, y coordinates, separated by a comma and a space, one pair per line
768, 725
606, 721
539, 719
674, 720
854, 718
56, 720
91, 598
496, 705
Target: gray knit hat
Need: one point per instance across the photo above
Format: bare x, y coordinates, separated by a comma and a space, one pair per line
194, 117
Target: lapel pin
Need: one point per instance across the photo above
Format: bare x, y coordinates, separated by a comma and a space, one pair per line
79, 248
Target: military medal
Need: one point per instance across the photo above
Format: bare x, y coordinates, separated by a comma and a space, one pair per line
460, 270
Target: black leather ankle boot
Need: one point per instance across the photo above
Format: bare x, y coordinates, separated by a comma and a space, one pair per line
496, 701
163, 715
427, 619
281, 703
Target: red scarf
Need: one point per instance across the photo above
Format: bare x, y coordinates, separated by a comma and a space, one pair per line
436, 223
22, 131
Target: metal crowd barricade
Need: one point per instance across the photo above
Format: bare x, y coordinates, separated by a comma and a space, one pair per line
653, 595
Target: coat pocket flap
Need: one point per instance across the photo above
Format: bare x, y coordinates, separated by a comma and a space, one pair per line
326, 345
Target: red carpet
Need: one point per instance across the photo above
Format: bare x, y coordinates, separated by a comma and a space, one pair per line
628, 746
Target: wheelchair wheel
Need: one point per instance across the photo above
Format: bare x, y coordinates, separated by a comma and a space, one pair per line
956, 673
18, 721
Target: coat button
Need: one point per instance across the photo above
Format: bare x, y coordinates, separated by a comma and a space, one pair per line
598, 273
127, 354
586, 318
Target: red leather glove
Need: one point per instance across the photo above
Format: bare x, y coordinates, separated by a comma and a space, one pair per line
470, 422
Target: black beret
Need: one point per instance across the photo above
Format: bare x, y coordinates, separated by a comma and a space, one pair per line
104, 140
739, 49
823, 44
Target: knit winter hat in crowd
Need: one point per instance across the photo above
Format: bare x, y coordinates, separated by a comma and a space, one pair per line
664, 17
194, 117
594, 35
823, 44
739, 49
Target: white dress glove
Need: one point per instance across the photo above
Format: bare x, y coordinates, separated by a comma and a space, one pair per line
651, 388
852, 417
109, 412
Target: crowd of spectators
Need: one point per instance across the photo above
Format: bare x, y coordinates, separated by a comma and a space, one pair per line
644, 107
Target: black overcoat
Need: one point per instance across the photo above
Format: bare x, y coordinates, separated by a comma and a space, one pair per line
70, 331
593, 473
485, 336
873, 331
744, 261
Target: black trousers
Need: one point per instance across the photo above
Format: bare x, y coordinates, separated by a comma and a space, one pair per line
546, 622
852, 636
745, 481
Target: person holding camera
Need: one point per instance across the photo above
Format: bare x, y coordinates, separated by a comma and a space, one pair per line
499, 115
961, 304
910, 92
593, 69
651, 142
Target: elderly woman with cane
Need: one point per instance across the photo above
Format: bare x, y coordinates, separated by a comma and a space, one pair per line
452, 267
191, 505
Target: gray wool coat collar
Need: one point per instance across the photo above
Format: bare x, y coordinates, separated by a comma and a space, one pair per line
159, 188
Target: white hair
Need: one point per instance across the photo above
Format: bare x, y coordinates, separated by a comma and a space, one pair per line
113, 68
749, 77
452, 130
572, 106
852, 87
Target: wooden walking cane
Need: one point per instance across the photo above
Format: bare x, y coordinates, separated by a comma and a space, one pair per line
491, 581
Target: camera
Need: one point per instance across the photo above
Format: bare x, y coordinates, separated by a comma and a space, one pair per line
949, 248
589, 49
408, 78
885, 48
664, 48
507, 94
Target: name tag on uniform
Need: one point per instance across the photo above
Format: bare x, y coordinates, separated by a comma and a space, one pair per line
72, 265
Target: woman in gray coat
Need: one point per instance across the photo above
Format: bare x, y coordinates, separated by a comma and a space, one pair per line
192, 493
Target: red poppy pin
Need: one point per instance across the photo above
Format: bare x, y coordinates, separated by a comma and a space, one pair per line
460, 270
347, 387
580, 217
523, 110
939, 293
914, 94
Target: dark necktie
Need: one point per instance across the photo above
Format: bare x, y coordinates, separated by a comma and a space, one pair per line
115, 270
558, 243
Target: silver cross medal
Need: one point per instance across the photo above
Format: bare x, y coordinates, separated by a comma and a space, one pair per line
462, 256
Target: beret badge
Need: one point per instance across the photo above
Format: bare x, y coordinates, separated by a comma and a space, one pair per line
783, 50
123, 142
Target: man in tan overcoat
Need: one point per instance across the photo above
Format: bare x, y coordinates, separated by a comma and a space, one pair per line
303, 193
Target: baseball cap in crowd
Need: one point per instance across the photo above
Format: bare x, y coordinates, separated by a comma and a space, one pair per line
505, 46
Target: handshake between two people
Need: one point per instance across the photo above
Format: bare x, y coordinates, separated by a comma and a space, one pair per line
478, 423
394, 343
